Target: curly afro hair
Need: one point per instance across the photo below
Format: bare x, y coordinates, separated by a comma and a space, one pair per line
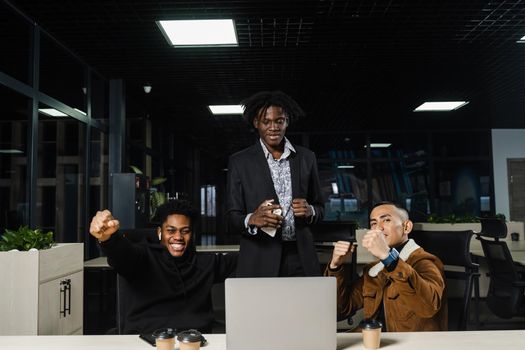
258, 104
177, 206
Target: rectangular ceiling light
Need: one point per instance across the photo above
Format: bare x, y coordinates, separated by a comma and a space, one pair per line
52, 112
440, 106
379, 145
191, 33
11, 151
226, 109
345, 166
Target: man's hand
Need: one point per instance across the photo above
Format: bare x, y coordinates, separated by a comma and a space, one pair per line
301, 209
342, 249
264, 217
103, 225
374, 241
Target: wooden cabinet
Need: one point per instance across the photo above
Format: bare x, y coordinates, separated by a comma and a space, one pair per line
42, 291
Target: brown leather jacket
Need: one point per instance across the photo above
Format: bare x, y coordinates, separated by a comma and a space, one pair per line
413, 294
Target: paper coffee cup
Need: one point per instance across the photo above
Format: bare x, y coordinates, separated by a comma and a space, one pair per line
190, 339
164, 338
272, 230
371, 330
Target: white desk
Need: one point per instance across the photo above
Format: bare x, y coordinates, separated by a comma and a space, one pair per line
363, 256
517, 249
475, 340
218, 248
518, 257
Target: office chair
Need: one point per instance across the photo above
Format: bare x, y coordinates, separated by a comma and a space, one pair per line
453, 249
505, 297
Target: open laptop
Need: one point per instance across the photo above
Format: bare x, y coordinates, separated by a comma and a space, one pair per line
284, 313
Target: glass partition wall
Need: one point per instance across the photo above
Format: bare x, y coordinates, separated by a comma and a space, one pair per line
61, 173
440, 173
54, 151
53, 134
13, 158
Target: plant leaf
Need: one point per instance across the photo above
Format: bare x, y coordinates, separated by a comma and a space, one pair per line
25, 238
135, 169
158, 180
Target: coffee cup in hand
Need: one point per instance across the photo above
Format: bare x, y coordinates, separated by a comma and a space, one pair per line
272, 230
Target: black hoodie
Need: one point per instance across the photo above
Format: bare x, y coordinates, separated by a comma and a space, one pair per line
165, 291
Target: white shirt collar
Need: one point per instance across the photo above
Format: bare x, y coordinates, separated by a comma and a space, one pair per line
288, 148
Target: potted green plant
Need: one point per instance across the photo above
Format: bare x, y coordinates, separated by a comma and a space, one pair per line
25, 238
450, 222
452, 219
454, 222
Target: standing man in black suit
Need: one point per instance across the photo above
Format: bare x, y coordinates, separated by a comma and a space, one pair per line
274, 194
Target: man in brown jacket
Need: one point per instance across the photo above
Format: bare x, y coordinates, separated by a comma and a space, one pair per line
405, 289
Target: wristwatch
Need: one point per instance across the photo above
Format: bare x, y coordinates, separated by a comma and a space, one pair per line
393, 255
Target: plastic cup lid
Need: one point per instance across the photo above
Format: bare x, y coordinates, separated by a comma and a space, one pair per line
189, 336
164, 333
370, 324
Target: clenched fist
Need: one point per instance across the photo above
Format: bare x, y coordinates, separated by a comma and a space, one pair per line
103, 225
374, 241
301, 208
341, 250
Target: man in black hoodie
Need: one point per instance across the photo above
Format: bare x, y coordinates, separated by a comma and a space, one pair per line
169, 283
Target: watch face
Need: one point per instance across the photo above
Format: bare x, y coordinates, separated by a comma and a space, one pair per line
394, 252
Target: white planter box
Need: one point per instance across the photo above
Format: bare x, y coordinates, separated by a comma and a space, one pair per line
39, 287
427, 226
512, 226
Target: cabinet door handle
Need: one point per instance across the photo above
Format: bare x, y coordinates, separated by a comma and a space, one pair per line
65, 292
69, 297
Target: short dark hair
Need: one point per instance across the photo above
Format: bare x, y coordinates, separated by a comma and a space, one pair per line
255, 104
176, 206
397, 206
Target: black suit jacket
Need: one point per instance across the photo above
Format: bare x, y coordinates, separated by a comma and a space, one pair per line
249, 184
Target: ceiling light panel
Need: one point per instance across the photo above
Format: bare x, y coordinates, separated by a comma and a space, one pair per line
52, 112
440, 106
226, 109
379, 145
191, 33
11, 151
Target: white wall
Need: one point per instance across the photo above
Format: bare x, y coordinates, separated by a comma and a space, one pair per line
506, 143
